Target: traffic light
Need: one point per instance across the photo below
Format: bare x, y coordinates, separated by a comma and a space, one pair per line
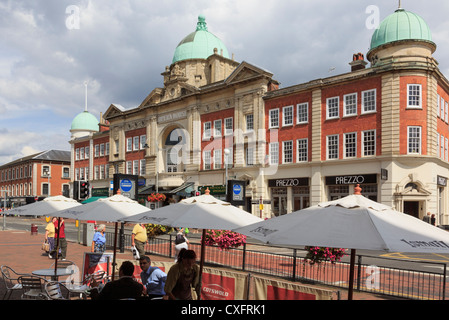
84, 190
195, 193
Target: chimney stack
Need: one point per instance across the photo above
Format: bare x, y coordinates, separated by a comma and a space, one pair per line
358, 62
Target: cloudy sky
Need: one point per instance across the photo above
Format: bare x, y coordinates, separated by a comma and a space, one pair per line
49, 48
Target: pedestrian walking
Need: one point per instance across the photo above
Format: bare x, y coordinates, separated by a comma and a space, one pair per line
50, 236
99, 239
139, 238
181, 242
60, 232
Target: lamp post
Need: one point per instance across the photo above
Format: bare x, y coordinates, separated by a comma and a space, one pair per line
226, 151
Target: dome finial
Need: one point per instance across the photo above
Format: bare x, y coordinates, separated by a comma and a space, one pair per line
85, 85
201, 24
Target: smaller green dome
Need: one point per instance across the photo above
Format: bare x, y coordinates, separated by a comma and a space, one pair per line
401, 25
85, 121
199, 44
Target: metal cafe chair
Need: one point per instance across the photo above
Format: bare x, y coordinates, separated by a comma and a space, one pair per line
32, 287
10, 277
54, 291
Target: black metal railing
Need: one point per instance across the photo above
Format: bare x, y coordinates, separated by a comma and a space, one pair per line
373, 274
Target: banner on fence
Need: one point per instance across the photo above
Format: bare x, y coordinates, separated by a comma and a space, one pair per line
266, 289
219, 284
93, 262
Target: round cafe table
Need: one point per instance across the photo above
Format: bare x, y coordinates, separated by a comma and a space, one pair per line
50, 272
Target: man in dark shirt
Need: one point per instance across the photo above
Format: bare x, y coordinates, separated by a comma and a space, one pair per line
123, 288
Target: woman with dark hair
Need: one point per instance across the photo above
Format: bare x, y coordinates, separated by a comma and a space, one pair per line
182, 277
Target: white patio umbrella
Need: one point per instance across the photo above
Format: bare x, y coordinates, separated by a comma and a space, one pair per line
110, 209
353, 222
45, 207
201, 212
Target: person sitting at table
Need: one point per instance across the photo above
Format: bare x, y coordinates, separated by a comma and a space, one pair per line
153, 278
123, 288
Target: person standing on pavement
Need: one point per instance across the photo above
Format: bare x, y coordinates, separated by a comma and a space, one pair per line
153, 278
60, 232
139, 238
181, 242
99, 240
50, 236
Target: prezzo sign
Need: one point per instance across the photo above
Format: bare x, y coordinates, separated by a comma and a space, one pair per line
288, 182
352, 179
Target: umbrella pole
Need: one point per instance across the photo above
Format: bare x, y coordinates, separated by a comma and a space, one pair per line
203, 249
351, 275
115, 249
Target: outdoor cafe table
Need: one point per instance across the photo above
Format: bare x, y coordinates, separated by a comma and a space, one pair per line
50, 272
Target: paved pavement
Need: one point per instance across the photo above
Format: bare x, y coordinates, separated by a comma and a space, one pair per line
22, 251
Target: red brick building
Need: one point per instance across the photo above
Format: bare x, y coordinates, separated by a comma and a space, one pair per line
39, 175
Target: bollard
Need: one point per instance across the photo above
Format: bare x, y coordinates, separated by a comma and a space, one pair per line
33, 229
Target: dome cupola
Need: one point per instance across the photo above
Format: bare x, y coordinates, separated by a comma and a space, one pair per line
199, 44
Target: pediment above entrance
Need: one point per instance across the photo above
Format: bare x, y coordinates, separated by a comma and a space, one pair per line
247, 71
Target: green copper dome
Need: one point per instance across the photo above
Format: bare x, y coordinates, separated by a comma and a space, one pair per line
85, 121
401, 25
199, 44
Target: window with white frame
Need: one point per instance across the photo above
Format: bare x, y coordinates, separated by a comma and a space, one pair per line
287, 151
135, 167
249, 156
438, 145
332, 147
81, 173
287, 116
445, 111
414, 96
273, 120
96, 172
302, 150
445, 149
274, 152
102, 150
207, 160
302, 113
129, 167
77, 154
350, 145
442, 147
66, 172
369, 101
332, 108
350, 104
217, 128
369, 143
249, 122
143, 164
86, 152
102, 171
414, 140
143, 141
81, 153
217, 159
172, 159
438, 105
136, 143
207, 130
106, 148
129, 144
441, 104
106, 169
229, 126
